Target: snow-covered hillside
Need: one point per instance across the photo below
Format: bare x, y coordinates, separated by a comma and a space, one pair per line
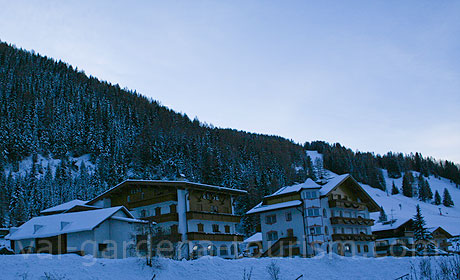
42, 163
401, 207
325, 267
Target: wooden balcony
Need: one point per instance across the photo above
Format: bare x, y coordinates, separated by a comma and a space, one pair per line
152, 200
347, 204
351, 221
214, 236
193, 215
352, 237
170, 217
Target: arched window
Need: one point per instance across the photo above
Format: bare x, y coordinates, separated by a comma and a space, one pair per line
223, 250
197, 251
212, 250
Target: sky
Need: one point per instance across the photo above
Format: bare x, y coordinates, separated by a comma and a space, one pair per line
374, 76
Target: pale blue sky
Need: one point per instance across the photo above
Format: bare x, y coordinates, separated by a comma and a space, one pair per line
372, 75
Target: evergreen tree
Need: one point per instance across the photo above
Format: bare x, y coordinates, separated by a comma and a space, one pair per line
437, 198
421, 233
394, 189
383, 216
407, 188
447, 199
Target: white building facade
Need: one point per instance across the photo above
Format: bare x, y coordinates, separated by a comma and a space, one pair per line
308, 219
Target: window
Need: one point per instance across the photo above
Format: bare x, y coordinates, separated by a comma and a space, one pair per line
366, 248
212, 250
271, 219
290, 232
158, 211
313, 195
307, 195
272, 235
324, 213
334, 230
358, 248
200, 227
215, 228
232, 249
102, 246
288, 216
223, 251
315, 230
326, 230
343, 230
347, 248
227, 229
173, 208
214, 208
341, 214
128, 198
143, 213
332, 213
313, 212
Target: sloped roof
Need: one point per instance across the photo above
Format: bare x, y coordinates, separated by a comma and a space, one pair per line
334, 182
259, 208
52, 225
179, 184
256, 237
64, 206
308, 184
387, 226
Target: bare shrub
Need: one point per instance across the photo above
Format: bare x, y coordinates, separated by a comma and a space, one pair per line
248, 275
274, 271
444, 268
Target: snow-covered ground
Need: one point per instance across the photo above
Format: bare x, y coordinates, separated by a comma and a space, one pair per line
326, 267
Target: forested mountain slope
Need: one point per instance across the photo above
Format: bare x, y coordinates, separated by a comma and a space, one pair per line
64, 135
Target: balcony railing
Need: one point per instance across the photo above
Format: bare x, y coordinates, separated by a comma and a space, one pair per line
152, 200
340, 203
214, 236
351, 221
193, 215
352, 237
170, 217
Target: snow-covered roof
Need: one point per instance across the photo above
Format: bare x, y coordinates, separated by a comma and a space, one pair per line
256, 237
64, 206
332, 183
387, 225
52, 225
262, 208
308, 184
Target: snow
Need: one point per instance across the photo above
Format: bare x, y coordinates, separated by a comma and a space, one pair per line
322, 267
42, 163
254, 238
65, 206
52, 225
449, 220
314, 156
332, 183
262, 208
308, 184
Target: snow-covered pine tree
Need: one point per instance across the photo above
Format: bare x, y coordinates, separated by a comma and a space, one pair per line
437, 198
394, 189
447, 199
421, 233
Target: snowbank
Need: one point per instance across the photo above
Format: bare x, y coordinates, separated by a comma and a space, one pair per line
326, 267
